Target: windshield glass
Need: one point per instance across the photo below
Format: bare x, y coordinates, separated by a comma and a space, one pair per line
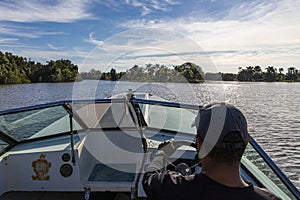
3, 145
36, 123
104, 115
169, 118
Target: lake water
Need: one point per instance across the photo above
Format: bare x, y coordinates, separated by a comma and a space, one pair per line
272, 109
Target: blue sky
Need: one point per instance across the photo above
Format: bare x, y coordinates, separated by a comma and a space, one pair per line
217, 35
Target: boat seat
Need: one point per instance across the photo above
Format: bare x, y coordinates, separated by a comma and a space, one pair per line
111, 159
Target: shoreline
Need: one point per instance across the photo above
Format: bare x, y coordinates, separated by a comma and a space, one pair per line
150, 81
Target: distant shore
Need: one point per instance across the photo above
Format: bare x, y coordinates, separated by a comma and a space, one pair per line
18, 70
191, 73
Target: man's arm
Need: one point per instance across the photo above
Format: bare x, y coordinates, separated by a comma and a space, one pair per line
157, 182
153, 174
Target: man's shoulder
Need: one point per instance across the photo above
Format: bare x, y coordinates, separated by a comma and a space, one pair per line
265, 194
247, 193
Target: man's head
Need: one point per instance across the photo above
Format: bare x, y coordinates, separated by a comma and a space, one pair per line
222, 132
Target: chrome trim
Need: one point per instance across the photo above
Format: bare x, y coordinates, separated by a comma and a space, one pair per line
168, 104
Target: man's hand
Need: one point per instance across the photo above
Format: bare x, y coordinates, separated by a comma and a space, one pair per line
167, 147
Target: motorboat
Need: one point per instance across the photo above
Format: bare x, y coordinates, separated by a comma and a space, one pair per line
99, 148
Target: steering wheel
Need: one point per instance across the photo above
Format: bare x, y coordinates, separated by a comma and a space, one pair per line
182, 167
180, 143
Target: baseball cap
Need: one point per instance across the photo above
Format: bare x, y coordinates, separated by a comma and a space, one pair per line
215, 121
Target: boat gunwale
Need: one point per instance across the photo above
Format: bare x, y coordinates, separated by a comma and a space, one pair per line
275, 168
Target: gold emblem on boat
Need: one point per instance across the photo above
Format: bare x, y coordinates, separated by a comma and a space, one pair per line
41, 168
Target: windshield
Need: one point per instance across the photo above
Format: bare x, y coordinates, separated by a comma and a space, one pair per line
49, 120
36, 123
104, 115
169, 118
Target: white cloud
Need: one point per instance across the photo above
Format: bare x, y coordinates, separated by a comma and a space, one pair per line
272, 30
142, 46
8, 40
145, 10
13, 30
257, 33
34, 10
251, 10
152, 5
92, 40
52, 47
24, 31
42, 55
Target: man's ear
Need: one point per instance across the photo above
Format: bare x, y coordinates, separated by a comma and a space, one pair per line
198, 142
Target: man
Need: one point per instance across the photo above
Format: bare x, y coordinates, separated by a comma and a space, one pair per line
222, 137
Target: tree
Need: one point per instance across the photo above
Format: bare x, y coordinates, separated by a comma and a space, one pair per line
60, 71
16, 69
113, 74
270, 75
228, 77
280, 76
280, 70
291, 74
245, 74
257, 73
192, 72
213, 76
242, 75
291, 70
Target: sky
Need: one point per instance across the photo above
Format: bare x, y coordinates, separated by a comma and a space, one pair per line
217, 35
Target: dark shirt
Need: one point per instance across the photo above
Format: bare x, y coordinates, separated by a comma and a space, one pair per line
169, 185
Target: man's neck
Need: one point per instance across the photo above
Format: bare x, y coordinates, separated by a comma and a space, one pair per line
223, 173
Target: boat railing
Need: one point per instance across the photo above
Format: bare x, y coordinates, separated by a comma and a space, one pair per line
292, 188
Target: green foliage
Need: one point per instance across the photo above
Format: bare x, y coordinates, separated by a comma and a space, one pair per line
293, 74
213, 76
15, 69
98, 75
220, 76
60, 71
113, 75
228, 77
191, 73
91, 75
187, 72
270, 75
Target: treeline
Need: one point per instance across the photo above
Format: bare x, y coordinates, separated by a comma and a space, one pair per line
256, 74
16, 69
187, 72
98, 75
271, 74
192, 73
